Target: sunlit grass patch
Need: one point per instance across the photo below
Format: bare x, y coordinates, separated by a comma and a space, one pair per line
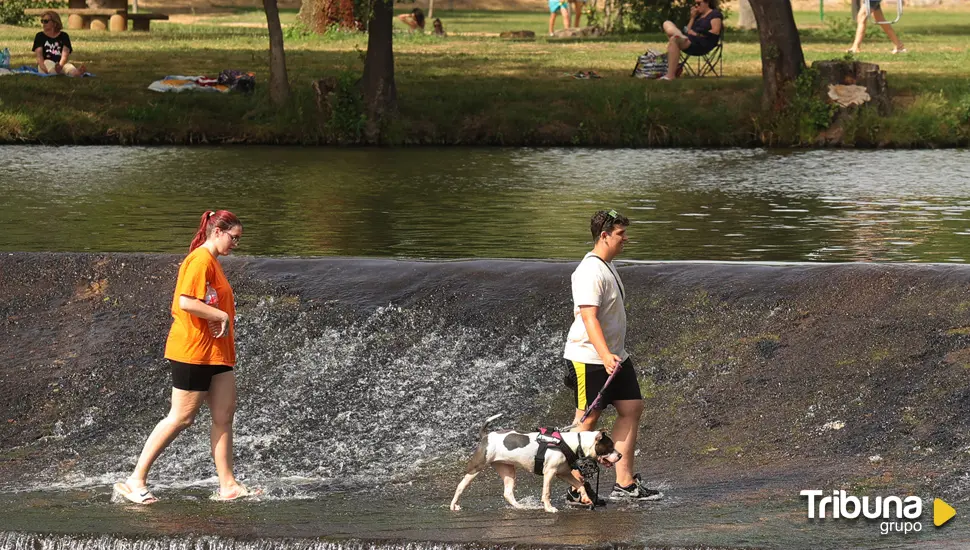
470, 86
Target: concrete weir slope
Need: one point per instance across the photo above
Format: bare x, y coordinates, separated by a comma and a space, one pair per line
760, 380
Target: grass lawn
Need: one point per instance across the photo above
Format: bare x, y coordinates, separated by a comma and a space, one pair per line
474, 88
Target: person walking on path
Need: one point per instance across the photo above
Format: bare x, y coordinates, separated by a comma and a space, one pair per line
202, 353
875, 7
595, 348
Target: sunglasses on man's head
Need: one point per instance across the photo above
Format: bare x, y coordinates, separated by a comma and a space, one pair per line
608, 220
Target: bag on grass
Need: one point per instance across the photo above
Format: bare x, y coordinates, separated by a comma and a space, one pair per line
651, 65
239, 81
5, 59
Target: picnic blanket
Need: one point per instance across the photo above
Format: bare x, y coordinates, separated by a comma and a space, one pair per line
226, 81
180, 83
27, 69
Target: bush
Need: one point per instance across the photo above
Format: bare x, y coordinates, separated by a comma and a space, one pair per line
806, 113
649, 15
12, 11
347, 118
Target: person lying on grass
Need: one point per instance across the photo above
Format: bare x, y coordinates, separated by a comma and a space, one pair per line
703, 32
53, 47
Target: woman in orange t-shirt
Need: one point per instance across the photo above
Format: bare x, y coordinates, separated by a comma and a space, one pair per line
202, 353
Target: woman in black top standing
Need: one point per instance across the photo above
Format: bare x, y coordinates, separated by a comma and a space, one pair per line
703, 33
53, 47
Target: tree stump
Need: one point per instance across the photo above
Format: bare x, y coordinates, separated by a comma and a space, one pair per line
856, 73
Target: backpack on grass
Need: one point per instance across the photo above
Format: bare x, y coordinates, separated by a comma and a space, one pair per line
238, 81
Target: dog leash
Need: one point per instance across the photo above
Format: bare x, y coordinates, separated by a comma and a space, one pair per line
596, 401
592, 406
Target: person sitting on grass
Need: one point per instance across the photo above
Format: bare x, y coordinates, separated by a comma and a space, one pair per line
439, 29
53, 47
555, 7
703, 32
875, 7
414, 20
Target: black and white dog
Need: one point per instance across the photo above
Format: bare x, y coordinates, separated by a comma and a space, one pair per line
506, 450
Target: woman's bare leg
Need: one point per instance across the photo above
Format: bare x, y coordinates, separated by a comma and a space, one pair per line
860, 30
671, 29
185, 405
674, 47
888, 29
222, 405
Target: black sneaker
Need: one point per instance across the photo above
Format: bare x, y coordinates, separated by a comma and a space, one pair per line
635, 491
573, 496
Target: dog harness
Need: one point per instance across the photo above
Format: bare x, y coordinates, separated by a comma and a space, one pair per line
551, 439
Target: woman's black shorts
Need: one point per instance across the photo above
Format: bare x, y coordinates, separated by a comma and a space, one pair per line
698, 47
189, 377
590, 378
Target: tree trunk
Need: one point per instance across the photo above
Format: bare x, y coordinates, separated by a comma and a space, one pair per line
377, 84
746, 18
279, 85
320, 15
781, 50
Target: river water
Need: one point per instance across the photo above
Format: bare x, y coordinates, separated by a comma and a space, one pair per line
363, 379
735, 205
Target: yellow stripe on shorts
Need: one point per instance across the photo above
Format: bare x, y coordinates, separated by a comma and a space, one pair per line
580, 384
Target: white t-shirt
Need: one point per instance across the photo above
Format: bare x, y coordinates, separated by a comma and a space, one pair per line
596, 283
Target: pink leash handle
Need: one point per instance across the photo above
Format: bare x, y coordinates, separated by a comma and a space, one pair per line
599, 396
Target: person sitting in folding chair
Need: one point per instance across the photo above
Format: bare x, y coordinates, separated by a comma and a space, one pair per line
701, 35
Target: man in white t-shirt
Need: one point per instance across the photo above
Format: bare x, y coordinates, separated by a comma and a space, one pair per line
595, 348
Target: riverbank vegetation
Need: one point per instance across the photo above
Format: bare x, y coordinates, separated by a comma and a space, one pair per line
474, 88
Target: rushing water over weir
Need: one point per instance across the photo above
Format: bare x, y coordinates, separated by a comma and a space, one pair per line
362, 385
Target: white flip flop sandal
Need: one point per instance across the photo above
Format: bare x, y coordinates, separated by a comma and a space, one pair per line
138, 496
241, 492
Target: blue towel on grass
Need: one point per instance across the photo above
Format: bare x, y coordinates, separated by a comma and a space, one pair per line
27, 69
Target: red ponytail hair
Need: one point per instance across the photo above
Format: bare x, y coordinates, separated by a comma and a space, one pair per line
223, 219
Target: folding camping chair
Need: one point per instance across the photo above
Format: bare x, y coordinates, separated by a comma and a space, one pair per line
703, 65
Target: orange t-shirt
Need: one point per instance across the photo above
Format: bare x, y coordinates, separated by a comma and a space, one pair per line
189, 340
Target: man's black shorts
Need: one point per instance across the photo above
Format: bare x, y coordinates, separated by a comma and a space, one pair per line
590, 378
189, 377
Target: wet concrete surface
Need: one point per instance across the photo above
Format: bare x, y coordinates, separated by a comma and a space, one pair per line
760, 381
748, 511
